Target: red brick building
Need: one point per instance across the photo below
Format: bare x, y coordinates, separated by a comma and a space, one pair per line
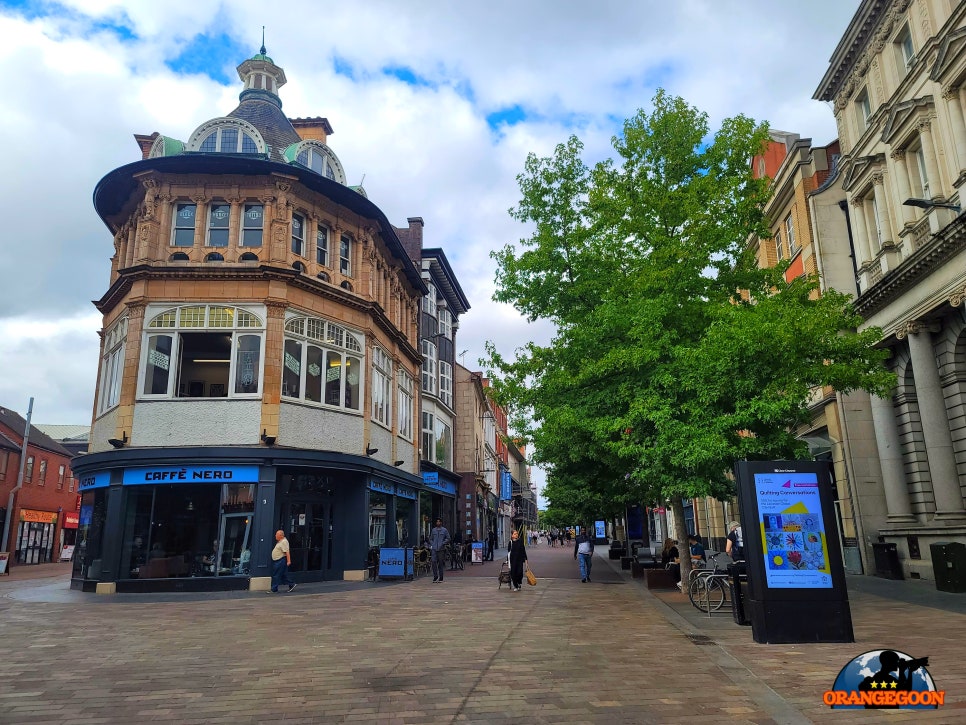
44, 516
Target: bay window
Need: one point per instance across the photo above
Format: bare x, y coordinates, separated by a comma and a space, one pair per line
112, 366
202, 351
322, 364
381, 387
446, 383
429, 367
404, 407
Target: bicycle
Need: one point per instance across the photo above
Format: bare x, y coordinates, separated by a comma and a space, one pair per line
708, 589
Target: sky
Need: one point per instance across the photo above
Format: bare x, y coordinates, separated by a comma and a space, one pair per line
434, 104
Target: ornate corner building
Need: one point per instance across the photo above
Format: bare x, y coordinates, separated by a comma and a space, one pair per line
260, 361
897, 81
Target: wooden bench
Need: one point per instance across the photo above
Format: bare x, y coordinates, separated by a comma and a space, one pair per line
659, 579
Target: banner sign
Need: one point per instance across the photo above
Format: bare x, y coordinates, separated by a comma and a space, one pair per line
190, 474
38, 517
476, 549
94, 480
430, 477
506, 485
382, 487
406, 492
392, 562
71, 520
447, 487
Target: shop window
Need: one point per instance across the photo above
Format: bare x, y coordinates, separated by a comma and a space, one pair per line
377, 518
90, 535
443, 445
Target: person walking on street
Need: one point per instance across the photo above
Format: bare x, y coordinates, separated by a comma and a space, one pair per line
735, 546
438, 539
584, 553
517, 555
281, 561
491, 544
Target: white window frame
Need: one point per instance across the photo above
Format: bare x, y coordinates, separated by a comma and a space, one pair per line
298, 240
62, 469
404, 407
218, 125
345, 255
443, 430
446, 383
112, 366
248, 225
907, 51
331, 340
211, 224
322, 237
429, 300
427, 436
173, 322
790, 235
445, 322
864, 108
924, 185
430, 371
177, 214
381, 387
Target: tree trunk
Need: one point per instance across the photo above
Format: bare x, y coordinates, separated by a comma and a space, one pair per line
684, 551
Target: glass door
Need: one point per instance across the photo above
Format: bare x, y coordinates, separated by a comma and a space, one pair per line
309, 536
234, 549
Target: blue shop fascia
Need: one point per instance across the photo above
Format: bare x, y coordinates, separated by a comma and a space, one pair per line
204, 519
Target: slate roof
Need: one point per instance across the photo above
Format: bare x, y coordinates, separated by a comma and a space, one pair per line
38, 438
263, 110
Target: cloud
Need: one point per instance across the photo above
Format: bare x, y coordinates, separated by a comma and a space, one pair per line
436, 104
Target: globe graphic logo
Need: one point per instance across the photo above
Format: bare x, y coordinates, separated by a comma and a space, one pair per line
886, 671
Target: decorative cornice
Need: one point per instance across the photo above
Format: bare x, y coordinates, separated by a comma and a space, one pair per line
958, 297
915, 327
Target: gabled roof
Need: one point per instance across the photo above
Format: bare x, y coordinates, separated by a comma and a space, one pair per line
37, 438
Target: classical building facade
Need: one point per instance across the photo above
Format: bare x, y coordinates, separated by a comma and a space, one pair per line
260, 364
897, 81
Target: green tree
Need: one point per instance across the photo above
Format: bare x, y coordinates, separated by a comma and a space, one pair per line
674, 353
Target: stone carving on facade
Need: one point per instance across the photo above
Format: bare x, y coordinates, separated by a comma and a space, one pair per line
877, 78
914, 327
958, 297
877, 178
897, 154
150, 198
924, 19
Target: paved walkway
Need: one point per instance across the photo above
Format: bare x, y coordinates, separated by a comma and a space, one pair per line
415, 652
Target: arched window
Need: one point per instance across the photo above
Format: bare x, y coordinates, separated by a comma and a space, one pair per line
202, 351
322, 364
215, 257
299, 267
226, 136
249, 257
318, 157
178, 257
324, 277
346, 286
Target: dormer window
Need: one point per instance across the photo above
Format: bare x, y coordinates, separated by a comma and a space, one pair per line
226, 136
318, 157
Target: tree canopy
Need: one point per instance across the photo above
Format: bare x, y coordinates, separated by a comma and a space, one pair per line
675, 354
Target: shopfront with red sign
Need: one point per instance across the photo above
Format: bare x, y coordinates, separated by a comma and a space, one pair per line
35, 536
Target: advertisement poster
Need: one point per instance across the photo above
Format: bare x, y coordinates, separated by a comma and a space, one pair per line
599, 530
792, 531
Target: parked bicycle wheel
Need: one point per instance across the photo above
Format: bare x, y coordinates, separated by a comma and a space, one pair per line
707, 593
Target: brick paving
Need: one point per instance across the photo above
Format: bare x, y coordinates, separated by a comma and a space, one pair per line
415, 652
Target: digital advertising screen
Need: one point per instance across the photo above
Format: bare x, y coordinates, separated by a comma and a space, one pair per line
792, 531
599, 530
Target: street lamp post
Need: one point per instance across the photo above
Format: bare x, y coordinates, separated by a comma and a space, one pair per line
928, 204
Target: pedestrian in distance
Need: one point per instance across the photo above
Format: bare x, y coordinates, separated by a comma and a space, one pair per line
491, 544
438, 539
735, 544
517, 556
670, 558
281, 561
584, 552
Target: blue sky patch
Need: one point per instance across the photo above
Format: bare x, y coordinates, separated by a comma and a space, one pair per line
506, 117
211, 55
343, 67
408, 76
31, 9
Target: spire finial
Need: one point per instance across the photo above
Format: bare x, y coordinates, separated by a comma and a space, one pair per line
262, 50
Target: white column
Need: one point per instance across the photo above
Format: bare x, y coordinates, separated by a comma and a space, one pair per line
929, 156
935, 424
890, 458
902, 185
954, 104
861, 232
882, 210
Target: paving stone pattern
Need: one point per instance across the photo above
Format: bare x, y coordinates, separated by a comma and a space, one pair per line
416, 652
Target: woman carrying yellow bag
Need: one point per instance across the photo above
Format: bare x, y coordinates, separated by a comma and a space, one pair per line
518, 557
531, 577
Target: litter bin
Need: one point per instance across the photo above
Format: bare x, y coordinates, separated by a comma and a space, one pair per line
887, 563
739, 575
949, 565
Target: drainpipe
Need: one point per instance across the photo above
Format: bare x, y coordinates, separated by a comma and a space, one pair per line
13, 491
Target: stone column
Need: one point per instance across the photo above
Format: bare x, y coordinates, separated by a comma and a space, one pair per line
896, 491
935, 422
882, 210
929, 156
861, 232
954, 104
902, 185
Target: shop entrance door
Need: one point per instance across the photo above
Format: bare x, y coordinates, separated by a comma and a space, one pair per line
310, 537
234, 548
34, 542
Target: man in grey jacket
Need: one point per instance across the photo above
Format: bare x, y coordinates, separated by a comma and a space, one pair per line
438, 538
